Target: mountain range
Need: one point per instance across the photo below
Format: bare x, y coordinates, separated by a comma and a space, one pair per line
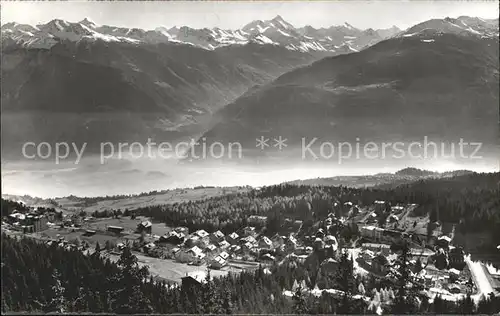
335, 39
83, 82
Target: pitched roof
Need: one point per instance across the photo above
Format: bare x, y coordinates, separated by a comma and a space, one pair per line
218, 234
201, 233
196, 250
266, 240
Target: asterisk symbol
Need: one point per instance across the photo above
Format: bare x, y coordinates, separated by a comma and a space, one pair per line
262, 142
280, 142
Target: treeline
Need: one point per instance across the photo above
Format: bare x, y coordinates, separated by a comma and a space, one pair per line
471, 200
8, 207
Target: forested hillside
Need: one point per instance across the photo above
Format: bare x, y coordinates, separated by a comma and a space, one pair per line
471, 201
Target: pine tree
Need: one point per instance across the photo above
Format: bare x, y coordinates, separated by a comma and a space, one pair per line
58, 303
406, 298
210, 304
227, 305
300, 304
467, 305
346, 282
129, 297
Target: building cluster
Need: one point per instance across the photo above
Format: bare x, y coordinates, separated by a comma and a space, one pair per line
216, 248
438, 268
35, 220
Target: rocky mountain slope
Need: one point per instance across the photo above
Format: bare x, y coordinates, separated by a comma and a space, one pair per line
81, 90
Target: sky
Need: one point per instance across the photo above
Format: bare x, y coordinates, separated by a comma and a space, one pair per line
235, 14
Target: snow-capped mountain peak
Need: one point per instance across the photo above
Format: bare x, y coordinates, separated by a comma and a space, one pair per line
338, 39
281, 22
349, 26
89, 23
463, 25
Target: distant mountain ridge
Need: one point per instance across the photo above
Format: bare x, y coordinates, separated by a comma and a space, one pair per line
383, 180
333, 40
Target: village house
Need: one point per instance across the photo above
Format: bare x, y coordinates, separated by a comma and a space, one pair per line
173, 237
370, 232
224, 244
224, 255
248, 239
195, 251
89, 232
217, 237
233, 238
210, 248
182, 229
192, 241
115, 229
218, 263
443, 242
194, 279
247, 246
248, 231
145, 226
31, 222
380, 264
383, 248
265, 242
278, 240
120, 246
202, 234
149, 246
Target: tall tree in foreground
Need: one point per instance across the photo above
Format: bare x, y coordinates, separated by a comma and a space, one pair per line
346, 282
130, 298
406, 300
